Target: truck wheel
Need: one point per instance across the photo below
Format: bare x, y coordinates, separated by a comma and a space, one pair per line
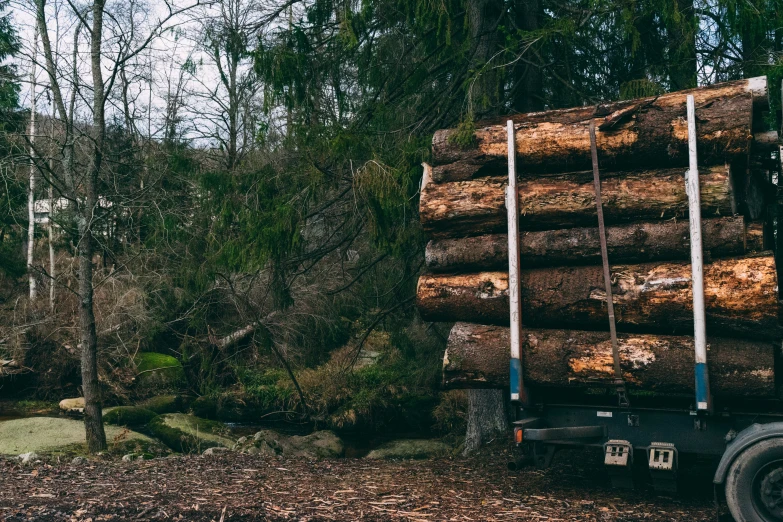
754, 485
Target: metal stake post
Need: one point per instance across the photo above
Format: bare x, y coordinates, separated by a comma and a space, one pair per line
518, 391
703, 398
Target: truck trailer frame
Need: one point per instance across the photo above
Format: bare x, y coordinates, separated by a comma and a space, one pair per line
746, 437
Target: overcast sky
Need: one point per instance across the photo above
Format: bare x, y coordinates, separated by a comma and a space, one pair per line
153, 74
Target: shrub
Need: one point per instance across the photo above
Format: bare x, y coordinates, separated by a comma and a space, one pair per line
451, 412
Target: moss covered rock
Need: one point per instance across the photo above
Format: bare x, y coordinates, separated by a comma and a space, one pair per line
55, 435
205, 407
189, 434
410, 449
321, 444
318, 445
157, 373
165, 404
132, 416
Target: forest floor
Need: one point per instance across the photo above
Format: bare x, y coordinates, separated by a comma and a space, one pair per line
237, 486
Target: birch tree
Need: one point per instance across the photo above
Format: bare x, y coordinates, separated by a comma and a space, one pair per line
81, 186
31, 186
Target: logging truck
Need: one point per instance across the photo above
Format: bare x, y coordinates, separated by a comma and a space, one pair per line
680, 267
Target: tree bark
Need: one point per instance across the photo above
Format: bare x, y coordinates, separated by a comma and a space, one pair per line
470, 208
741, 297
682, 46
632, 243
528, 88
485, 89
753, 37
486, 408
31, 188
650, 132
478, 357
50, 227
487, 418
93, 415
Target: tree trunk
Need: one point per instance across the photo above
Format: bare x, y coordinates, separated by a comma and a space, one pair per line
87, 201
487, 418
753, 37
650, 132
633, 243
486, 408
486, 87
470, 208
528, 92
50, 224
741, 297
682, 47
31, 188
93, 416
478, 357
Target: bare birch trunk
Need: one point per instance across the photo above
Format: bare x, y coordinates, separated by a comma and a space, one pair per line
31, 189
52, 267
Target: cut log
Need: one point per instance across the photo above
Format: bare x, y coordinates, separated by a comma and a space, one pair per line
470, 208
650, 132
477, 356
741, 297
633, 243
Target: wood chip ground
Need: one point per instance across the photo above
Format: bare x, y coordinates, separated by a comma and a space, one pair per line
233, 487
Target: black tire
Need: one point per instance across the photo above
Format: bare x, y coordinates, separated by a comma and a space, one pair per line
754, 484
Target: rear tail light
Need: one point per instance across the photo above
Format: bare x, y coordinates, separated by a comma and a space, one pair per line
518, 435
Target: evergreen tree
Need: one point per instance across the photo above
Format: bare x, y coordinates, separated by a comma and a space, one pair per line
12, 191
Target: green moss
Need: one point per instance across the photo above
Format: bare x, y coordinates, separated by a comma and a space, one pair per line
147, 361
53, 435
147, 449
129, 416
165, 404
189, 434
205, 407
158, 372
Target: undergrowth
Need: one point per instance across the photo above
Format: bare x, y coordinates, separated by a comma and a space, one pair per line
390, 386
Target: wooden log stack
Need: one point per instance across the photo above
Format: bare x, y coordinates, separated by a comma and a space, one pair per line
642, 151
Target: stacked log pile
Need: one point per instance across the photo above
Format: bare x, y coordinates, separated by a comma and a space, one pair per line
643, 155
